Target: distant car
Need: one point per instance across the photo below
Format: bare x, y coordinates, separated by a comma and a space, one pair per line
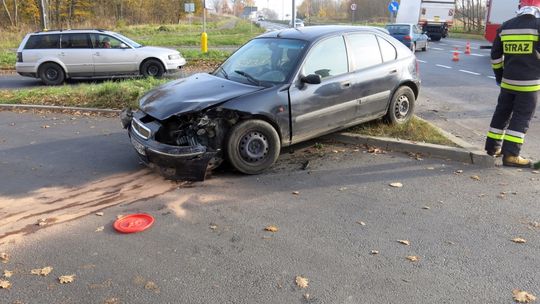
55, 56
409, 34
280, 88
298, 22
260, 18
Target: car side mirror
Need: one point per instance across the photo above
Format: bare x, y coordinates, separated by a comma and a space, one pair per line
312, 79
123, 46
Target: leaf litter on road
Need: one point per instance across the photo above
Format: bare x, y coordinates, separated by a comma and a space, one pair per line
396, 185
475, 177
100, 229
45, 271
413, 258
519, 240
271, 228
361, 223
521, 296
65, 279
8, 274
5, 284
4, 257
301, 282
99, 213
404, 242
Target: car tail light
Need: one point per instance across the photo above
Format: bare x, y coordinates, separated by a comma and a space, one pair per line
407, 37
19, 57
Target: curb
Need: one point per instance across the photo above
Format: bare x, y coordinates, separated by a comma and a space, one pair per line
467, 154
479, 158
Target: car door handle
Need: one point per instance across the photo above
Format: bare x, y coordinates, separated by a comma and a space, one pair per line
62, 54
346, 84
392, 71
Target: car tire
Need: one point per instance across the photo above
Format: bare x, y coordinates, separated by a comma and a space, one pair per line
152, 68
413, 47
401, 106
424, 49
252, 146
51, 74
436, 38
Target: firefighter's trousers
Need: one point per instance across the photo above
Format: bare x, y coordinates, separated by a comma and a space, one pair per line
511, 121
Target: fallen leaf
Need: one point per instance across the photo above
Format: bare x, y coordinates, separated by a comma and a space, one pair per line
42, 222
396, 185
4, 257
213, 226
271, 228
342, 188
413, 258
151, 286
426, 207
99, 213
519, 240
296, 192
404, 242
100, 228
66, 279
458, 171
5, 284
306, 296
361, 223
535, 224
475, 177
302, 282
430, 168
374, 252
42, 271
374, 150
8, 274
521, 296
45, 126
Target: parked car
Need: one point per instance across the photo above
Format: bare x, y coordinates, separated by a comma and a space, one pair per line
298, 22
55, 56
278, 89
410, 35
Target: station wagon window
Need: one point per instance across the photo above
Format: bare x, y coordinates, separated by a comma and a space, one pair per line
76, 41
43, 42
328, 58
388, 51
105, 42
364, 50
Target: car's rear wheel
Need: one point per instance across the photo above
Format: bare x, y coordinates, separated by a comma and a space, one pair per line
424, 49
252, 146
413, 47
401, 107
51, 74
152, 68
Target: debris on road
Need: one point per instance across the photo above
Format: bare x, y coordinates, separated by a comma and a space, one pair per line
213, 226
42, 222
132, 223
396, 185
413, 258
4, 257
5, 284
521, 296
271, 228
458, 171
404, 242
45, 271
99, 213
361, 223
426, 207
8, 274
65, 279
302, 282
374, 252
305, 165
519, 240
100, 229
151, 286
475, 177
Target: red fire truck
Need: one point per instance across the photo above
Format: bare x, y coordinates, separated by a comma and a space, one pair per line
498, 11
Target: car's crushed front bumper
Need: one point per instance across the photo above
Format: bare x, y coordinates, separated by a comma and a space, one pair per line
175, 162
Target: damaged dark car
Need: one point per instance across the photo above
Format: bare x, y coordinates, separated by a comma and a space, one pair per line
278, 89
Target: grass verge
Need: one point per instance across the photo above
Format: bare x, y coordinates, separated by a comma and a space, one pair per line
415, 130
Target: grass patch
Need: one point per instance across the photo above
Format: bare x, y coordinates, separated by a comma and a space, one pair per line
415, 130
212, 55
7, 60
109, 94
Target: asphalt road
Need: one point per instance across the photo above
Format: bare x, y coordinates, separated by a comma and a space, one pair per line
208, 244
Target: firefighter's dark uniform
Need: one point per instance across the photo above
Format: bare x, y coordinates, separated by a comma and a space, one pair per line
515, 59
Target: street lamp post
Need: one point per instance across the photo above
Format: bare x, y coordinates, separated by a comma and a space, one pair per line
293, 14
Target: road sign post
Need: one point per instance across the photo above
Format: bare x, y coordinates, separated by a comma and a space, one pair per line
393, 7
353, 12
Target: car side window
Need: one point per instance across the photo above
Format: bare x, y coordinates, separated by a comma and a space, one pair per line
388, 51
101, 41
364, 50
327, 58
76, 41
43, 42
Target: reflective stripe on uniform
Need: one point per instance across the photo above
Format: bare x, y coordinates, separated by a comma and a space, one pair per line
517, 140
497, 66
495, 136
521, 82
498, 60
531, 88
515, 133
519, 31
519, 38
495, 130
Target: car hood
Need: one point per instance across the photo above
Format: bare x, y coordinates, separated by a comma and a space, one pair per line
191, 94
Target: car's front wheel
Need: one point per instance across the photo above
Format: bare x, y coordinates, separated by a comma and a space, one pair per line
51, 74
252, 146
401, 107
152, 68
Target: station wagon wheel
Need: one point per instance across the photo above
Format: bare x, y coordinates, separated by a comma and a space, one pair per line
252, 146
401, 106
152, 68
51, 74
413, 47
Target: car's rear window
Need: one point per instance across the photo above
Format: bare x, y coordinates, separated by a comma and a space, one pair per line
43, 42
398, 29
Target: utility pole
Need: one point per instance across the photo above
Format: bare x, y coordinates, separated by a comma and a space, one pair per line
293, 14
43, 14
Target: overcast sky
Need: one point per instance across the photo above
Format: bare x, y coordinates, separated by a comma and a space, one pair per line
281, 7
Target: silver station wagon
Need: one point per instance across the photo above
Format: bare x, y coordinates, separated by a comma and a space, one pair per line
54, 56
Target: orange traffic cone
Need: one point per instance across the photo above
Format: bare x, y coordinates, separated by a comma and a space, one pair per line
456, 55
468, 48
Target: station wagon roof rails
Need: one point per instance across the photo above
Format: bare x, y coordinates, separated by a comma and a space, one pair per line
61, 30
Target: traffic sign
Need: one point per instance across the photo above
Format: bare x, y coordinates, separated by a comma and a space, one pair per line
393, 6
353, 6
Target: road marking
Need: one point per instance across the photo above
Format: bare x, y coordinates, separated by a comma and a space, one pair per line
469, 72
492, 77
435, 48
478, 55
422, 61
443, 44
457, 51
443, 66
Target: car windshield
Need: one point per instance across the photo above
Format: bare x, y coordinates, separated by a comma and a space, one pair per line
263, 61
398, 29
128, 41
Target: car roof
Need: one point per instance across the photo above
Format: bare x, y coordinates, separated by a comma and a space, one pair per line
313, 33
72, 31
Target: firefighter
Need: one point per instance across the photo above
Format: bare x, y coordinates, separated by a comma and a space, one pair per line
515, 58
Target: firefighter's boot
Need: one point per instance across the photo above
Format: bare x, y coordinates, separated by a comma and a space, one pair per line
516, 161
